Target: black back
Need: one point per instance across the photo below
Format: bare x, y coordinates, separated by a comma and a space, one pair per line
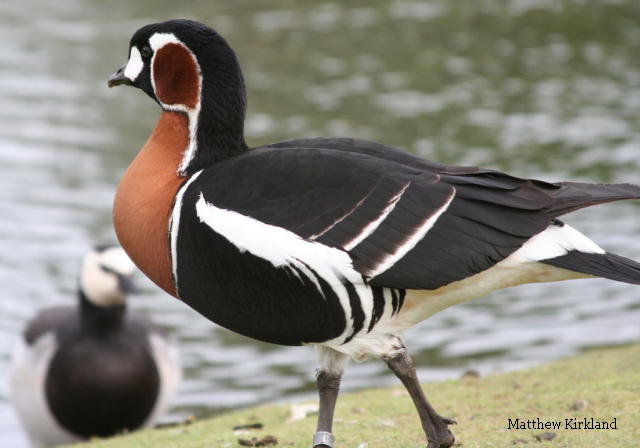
333, 188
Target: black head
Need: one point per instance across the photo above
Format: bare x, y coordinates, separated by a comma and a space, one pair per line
189, 68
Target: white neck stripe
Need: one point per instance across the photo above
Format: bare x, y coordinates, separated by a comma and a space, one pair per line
174, 225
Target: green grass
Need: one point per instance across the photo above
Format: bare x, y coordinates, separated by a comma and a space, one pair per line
608, 379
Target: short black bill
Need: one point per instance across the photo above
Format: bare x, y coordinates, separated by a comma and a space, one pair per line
118, 78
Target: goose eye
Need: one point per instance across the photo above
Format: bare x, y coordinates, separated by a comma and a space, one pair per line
145, 52
107, 269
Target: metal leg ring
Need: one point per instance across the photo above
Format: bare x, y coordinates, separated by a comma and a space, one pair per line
323, 438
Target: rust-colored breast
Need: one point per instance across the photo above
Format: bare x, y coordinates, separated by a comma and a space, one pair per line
142, 206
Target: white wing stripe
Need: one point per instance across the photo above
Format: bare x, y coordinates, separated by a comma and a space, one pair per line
411, 242
316, 236
372, 226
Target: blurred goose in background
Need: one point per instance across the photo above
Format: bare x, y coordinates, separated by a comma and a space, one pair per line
96, 368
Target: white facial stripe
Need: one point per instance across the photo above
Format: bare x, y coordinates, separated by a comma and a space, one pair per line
134, 65
159, 40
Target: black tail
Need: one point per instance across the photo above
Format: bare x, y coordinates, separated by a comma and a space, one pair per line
573, 196
611, 266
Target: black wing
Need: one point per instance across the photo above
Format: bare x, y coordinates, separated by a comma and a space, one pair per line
406, 222
50, 320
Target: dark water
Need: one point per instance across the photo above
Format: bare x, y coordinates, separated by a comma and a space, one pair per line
547, 89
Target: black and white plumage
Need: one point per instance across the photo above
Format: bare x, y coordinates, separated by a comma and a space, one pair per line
353, 230
336, 242
95, 369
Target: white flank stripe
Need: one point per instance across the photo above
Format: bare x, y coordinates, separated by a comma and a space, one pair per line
157, 41
554, 242
392, 259
134, 65
174, 225
282, 248
371, 227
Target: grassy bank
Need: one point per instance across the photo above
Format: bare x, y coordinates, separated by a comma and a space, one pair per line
601, 384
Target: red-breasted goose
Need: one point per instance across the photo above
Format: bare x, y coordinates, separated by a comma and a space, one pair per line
336, 242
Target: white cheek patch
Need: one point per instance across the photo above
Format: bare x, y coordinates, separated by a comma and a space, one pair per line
135, 64
99, 280
117, 260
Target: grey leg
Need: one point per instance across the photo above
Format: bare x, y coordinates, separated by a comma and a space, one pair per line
328, 388
435, 427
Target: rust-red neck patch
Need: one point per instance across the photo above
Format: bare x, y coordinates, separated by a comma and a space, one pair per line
176, 76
